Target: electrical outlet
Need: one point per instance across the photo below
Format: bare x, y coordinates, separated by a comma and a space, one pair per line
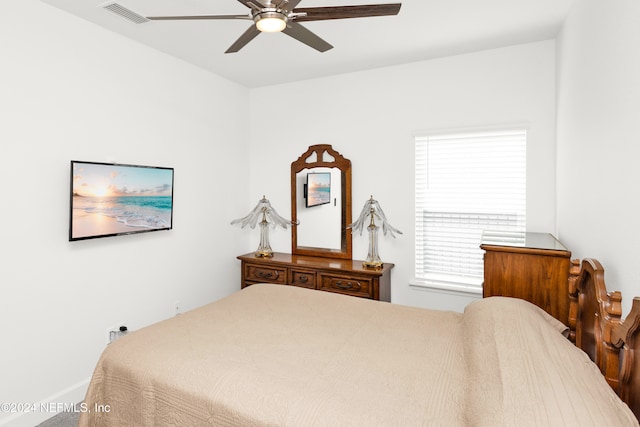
177, 308
114, 328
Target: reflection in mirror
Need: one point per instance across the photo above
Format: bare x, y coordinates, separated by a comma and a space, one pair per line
321, 202
321, 206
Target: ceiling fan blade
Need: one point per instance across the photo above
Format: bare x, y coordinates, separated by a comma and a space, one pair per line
178, 18
245, 38
300, 33
345, 12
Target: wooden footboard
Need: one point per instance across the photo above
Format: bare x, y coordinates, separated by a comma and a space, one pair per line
598, 313
595, 319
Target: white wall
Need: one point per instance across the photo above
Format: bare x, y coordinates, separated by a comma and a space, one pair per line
598, 133
370, 117
71, 90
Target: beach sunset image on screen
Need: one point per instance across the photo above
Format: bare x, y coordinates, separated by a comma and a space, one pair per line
111, 199
318, 189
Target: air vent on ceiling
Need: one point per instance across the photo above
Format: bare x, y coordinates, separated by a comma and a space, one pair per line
127, 14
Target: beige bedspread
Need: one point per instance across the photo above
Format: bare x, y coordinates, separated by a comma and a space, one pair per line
284, 356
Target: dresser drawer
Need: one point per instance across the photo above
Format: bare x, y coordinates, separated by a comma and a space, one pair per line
260, 273
347, 285
305, 279
347, 277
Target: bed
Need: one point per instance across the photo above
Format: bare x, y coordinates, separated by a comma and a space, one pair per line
275, 355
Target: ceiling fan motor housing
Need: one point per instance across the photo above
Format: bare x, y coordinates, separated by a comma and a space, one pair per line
271, 20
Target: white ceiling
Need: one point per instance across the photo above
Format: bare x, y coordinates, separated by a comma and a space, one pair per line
424, 29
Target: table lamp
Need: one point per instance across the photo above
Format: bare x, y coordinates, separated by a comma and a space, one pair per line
370, 212
268, 217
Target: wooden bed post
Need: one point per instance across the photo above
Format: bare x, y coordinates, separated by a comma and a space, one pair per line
574, 272
612, 353
625, 338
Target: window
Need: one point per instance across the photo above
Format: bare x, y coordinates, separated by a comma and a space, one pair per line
466, 183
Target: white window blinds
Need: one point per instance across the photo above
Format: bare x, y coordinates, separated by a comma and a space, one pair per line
466, 183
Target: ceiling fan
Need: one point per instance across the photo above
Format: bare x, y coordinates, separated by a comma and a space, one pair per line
283, 16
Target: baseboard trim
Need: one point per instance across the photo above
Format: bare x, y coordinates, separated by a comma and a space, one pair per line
65, 400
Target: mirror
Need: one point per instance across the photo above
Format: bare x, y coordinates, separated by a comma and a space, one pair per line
321, 203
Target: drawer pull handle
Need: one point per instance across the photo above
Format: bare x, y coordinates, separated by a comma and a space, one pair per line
303, 278
267, 275
339, 284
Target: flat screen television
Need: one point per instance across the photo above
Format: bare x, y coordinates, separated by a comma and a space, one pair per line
108, 199
318, 188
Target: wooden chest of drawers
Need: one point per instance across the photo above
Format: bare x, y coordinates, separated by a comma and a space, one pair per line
332, 275
534, 267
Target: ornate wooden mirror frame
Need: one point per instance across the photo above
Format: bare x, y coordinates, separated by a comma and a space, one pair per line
323, 156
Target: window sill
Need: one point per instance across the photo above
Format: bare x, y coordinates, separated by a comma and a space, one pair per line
470, 288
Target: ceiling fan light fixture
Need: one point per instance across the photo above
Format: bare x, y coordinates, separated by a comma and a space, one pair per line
270, 22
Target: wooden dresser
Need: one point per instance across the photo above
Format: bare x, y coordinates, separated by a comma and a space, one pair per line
347, 277
531, 266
